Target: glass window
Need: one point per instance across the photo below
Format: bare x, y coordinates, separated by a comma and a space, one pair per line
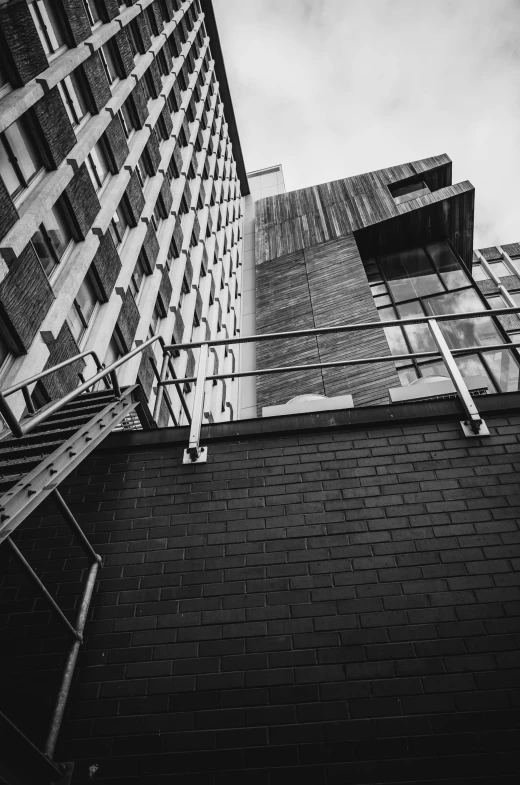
470, 332
137, 279
133, 37
496, 301
406, 376
447, 265
92, 11
504, 367
154, 324
118, 226
499, 269
97, 166
112, 353
479, 274
20, 159
52, 239
82, 309
410, 274
5, 85
455, 302
73, 98
127, 120
109, 62
472, 365
46, 19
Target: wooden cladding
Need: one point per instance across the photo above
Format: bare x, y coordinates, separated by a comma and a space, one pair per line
127, 321
319, 287
66, 379
300, 219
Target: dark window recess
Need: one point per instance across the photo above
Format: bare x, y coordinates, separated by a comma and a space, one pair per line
109, 60
137, 278
92, 11
148, 85
82, 309
173, 46
183, 207
404, 193
161, 61
52, 239
134, 38
20, 159
172, 171
46, 19
73, 92
161, 128
152, 21
97, 165
119, 224
127, 117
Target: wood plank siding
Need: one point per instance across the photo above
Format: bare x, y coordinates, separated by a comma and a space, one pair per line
309, 247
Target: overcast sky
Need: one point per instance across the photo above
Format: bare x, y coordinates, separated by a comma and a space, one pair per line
333, 88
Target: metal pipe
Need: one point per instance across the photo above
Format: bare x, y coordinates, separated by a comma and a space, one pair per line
62, 506
344, 328
37, 582
472, 413
179, 391
68, 672
160, 389
28, 401
341, 363
198, 404
42, 374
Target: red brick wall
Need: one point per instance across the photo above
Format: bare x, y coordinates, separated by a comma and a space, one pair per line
340, 607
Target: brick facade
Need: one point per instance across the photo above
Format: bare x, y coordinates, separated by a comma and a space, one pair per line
333, 604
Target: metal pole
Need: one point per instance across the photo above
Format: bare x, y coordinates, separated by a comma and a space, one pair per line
68, 672
165, 394
194, 452
28, 401
160, 388
179, 391
37, 582
10, 419
74, 526
474, 419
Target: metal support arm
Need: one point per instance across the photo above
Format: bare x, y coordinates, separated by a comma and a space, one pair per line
195, 453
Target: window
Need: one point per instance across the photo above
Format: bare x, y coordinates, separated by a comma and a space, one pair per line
82, 310
161, 62
154, 324
97, 166
52, 240
133, 38
126, 116
152, 22
500, 269
73, 98
92, 11
430, 281
142, 168
20, 159
479, 274
4, 352
403, 193
185, 289
47, 23
137, 279
109, 61
119, 227
5, 85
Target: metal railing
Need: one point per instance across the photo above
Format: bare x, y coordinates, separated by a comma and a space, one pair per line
473, 424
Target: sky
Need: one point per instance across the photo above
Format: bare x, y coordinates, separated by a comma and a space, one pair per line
333, 88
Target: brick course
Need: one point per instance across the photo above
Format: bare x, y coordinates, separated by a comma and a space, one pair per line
339, 605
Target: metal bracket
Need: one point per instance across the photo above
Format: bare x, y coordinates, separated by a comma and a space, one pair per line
468, 430
200, 457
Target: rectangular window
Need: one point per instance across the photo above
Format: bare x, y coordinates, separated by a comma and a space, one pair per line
73, 98
479, 274
92, 11
500, 269
410, 274
133, 38
118, 227
46, 19
161, 62
97, 166
52, 239
126, 116
108, 58
137, 279
20, 159
82, 310
185, 289
155, 322
152, 22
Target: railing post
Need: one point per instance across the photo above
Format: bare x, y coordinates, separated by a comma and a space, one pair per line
160, 388
474, 425
195, 453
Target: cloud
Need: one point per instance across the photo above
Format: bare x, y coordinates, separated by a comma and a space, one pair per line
333, 88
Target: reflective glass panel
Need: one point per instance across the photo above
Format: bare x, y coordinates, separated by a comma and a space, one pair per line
447, 265
383, 300
505, 370
378, 288
396, 340
499, 269
496, 301
470, 332
434, 368
86, 299
58, 231
471, 365
410, 274
479, 274
455, 302
8, 172
387, 314
407, 376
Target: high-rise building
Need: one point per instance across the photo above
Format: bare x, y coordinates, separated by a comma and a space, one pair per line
323, 590
121, 186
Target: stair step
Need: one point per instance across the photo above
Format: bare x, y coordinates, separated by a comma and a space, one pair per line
8, 480
23, 448
22, 465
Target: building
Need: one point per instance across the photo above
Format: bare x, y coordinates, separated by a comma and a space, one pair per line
121, 186
331, 593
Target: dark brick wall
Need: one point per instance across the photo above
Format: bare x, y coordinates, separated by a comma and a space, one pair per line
21, 45
126, 58
54, 130
150, 248
99, 92
135, 199
165, 293
127, 321
8, 212
61, 382
25, 298
105, 268
81, 202
154, 153
337, 606
116, 145
75, 21
139, 102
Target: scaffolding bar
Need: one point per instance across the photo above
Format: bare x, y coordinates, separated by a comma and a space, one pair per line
75, 527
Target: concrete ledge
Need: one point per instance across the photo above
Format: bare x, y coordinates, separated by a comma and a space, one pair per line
393, 414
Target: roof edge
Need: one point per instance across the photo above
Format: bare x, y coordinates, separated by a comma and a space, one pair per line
220, 72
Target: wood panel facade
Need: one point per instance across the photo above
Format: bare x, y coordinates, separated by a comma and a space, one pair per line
309, 247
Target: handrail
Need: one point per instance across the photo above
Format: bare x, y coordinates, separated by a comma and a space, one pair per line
42, 374
343, 328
